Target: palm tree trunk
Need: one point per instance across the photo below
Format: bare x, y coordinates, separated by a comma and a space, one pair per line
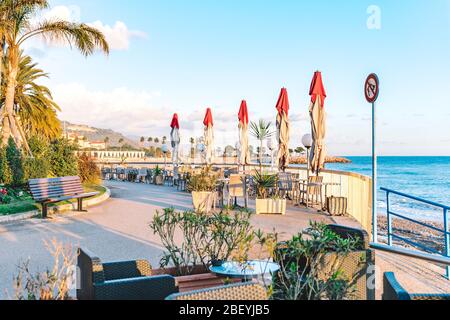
9, 124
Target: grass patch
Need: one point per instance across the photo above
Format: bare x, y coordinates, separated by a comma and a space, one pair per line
26, 203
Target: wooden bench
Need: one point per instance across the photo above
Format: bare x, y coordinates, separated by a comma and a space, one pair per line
47, 191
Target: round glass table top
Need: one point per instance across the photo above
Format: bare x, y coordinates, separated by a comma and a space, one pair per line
250, 269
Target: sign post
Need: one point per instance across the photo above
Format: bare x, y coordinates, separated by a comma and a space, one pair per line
372, 90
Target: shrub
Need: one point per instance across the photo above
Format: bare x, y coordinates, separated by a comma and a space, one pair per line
206, 238
36, 168
15, 163
302, 276
53, 284
205, 181
63, 160
88, 169
5, 170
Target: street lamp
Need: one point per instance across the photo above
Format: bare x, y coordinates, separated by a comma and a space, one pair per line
271, 147
307, 141
201, 149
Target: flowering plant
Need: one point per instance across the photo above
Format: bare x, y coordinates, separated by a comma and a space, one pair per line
4, 192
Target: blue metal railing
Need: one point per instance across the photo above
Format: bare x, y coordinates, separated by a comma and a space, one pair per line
445, 231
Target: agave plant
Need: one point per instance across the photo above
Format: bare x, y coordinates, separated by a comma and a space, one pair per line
264, 182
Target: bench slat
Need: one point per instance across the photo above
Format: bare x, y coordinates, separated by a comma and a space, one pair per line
59, 186
57, 190
56, 195
52, 180
80, 196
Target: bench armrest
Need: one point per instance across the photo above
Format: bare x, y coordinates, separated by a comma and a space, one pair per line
392, 290
146, 288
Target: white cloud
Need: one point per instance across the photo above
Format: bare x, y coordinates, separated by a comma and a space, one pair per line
65, 13
118, 36
123, 110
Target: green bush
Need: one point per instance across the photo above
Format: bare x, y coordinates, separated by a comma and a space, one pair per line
35, 168
63, 161
5, 171
15, 163
88, 170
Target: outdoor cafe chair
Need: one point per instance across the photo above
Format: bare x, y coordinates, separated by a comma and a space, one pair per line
392, 291
125, 280
141, 176
310, 193
286, 186
237, 189
237, 292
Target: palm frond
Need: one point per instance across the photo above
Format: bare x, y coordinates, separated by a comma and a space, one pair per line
85, 38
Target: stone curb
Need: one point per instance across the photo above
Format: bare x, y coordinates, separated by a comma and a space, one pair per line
57, 209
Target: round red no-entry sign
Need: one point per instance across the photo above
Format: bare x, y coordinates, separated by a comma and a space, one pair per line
372, 88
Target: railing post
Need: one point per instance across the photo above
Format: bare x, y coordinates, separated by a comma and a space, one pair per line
389, 219
447, 239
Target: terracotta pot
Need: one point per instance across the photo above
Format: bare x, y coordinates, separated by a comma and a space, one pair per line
200, 278
159, 180
203, 201
271, 206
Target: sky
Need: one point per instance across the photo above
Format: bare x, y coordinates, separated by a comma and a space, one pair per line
184, 56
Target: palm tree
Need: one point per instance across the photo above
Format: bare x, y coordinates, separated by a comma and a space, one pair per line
106, 142
142, 142
16, 28
192, 141
121, 141
156, 140
261, 131
33, 103
149, 140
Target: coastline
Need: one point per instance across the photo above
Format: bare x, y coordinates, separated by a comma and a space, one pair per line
303, 160
411, 231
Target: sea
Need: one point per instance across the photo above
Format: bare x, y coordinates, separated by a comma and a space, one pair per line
424, 177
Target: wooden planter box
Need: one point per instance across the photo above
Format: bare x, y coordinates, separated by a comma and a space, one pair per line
200, 278
203, 201
159, 180
271, 206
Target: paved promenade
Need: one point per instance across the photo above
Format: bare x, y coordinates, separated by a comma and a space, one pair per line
118, 230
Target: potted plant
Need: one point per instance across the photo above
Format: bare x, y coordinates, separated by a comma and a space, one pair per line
206, 240
323, 263
265, 202
203, 189
158, 176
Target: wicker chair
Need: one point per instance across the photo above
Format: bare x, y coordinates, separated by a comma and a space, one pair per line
237, 292
392, 290
128, 280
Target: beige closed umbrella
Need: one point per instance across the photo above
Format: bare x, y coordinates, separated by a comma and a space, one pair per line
283, 128
175, 139
244, 157
209, 136
318, 123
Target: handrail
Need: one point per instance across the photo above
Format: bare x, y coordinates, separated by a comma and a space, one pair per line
390, 230
411, 254
432, 203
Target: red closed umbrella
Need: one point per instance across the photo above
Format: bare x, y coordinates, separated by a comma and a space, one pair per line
176, 139
244, 157
209, 136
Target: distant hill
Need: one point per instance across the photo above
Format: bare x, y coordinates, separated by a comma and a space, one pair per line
97, 134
